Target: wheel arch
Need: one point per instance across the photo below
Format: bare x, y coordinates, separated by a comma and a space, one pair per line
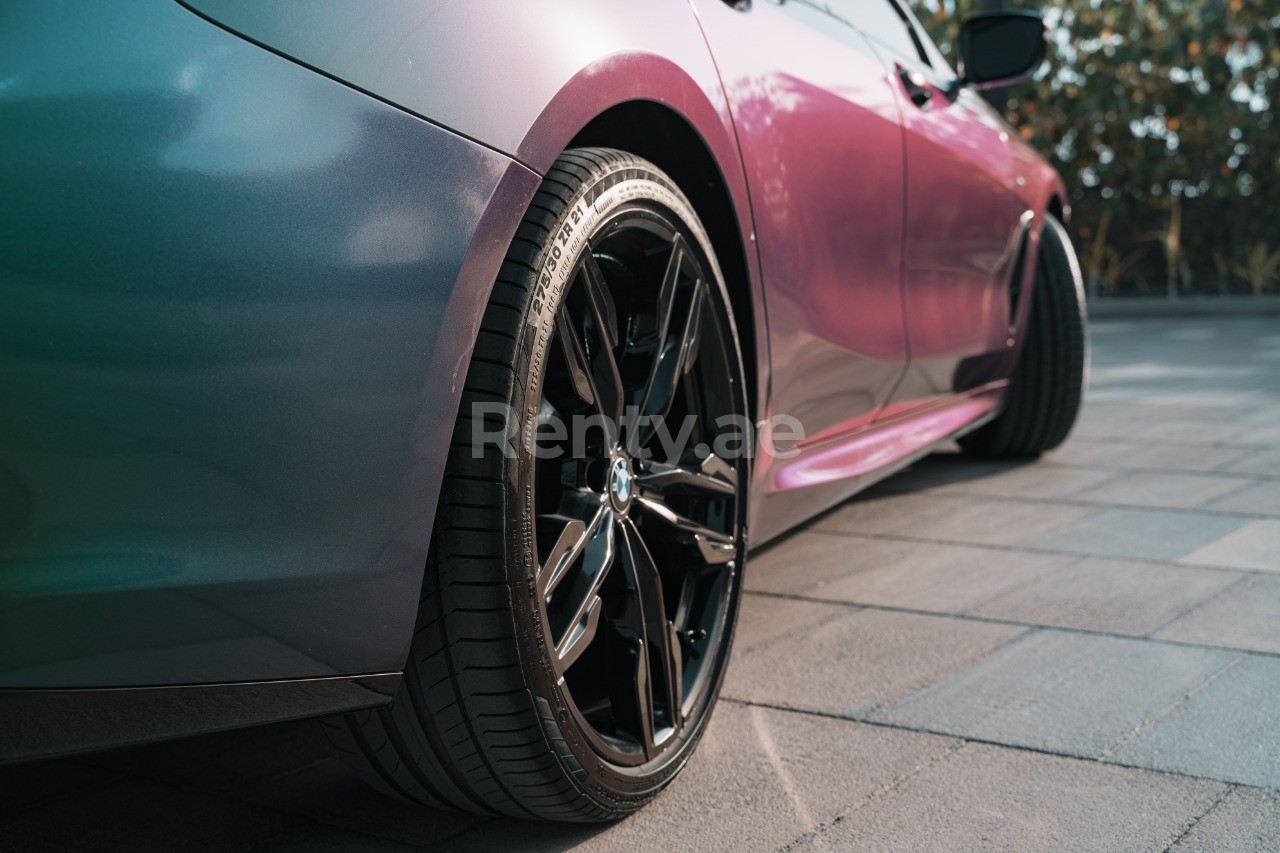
663, 136
1058, 209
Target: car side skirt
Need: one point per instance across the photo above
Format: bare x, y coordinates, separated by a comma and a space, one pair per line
36, 724
790, 491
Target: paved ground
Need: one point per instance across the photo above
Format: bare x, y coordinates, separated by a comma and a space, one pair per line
1081, 654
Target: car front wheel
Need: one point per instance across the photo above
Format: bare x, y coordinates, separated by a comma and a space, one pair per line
1044, 395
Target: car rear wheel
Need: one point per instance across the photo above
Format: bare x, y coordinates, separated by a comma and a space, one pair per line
1047, 387
579, 599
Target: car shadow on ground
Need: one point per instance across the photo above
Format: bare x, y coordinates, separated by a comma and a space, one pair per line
260, 788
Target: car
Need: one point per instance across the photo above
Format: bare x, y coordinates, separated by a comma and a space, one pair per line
431, 368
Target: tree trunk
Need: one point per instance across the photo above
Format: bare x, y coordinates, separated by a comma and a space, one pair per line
1173, 245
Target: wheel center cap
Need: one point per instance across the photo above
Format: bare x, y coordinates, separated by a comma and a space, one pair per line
621, 484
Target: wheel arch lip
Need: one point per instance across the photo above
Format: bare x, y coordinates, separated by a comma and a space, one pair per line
1044, 194
632, 78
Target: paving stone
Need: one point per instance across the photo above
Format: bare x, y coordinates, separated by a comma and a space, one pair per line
1032, 481
953, 518
1142, 534
1240, 434
139, 815
1175, 457
943, 578
1082, 450
948, 473
1072, 693
985, 521
853, 663
1256, 545
805, 561
331, 793
1220, 434
1262, 417
1115, 596
765, 618
1246, 616
1163, 424
1159, 490
1258, 498
943, 468
1246, 821
1157, 409
1230, 730
1256, 462
760, 778
886, 512
990, 798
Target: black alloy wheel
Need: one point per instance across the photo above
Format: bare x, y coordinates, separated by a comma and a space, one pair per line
1048, 383
637, 549
579, 601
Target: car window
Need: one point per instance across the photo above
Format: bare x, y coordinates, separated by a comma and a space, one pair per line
935, 56
884, 22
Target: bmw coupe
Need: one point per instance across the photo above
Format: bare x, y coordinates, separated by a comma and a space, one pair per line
431, 367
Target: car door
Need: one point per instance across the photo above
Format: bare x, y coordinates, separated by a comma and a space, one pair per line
963, 230
821, 141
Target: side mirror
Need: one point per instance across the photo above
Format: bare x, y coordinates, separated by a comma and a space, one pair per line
1001, 48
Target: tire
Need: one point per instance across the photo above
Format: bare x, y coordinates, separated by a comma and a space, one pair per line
610, 294
1045, 392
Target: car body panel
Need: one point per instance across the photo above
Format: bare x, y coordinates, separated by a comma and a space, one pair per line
959, 257
821, 139
487, 71
820, 134
236, 296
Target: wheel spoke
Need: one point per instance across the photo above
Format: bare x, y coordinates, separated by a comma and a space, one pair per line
599, 298
606, 380
574, 584
659, 635
659, 508
580, 635
712, 475
592, 365
716, 553
643, 688
575, 357
573, 537
679, 318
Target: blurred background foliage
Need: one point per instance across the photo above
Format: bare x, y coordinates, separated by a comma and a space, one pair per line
1161, 117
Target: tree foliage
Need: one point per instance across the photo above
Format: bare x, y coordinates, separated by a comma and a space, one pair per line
1160, 114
